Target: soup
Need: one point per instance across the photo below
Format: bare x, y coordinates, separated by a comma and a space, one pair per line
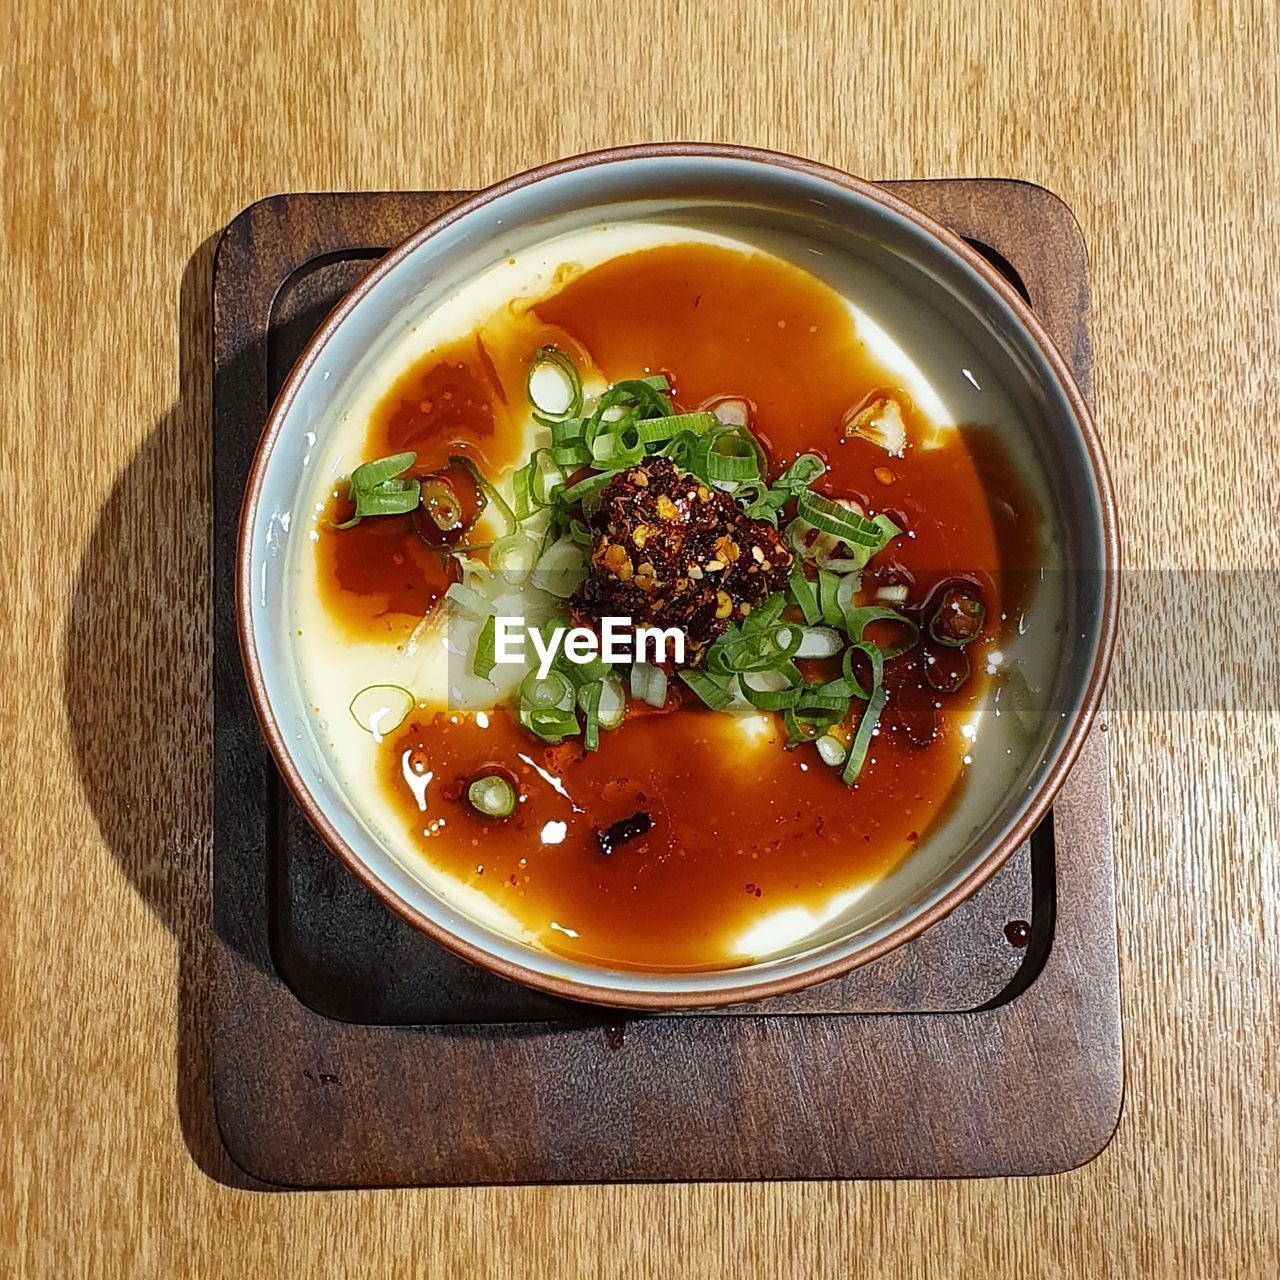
695, 433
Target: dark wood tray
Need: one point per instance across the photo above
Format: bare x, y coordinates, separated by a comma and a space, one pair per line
350, 1051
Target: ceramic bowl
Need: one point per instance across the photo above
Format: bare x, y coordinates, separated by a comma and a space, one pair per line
939, 294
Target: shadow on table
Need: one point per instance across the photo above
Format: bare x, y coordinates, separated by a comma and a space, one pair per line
136, 684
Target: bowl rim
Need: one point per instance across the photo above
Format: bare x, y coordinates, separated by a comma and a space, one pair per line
668, 1000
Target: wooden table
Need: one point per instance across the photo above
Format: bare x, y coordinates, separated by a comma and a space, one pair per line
132, 132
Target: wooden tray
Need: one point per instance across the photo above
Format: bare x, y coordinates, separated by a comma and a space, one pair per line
350, 1051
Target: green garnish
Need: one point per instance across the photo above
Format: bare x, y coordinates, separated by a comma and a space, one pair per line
589, 696
803, 594
381, 709
862, 739
546, 706
380, 489
554, 386
486, 655
493, 796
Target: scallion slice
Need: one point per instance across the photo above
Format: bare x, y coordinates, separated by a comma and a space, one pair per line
514, 557
803, 594
378, 489
875, 656
774, 689
806, 470
819, 642
716, 692
649, 684
862, 739
545, 478
554, 385
546, 692
569, 456
856, 621
831, 749
659, 430
828, 606
561, 568
589, 698
486, 655
613, 701
381, 709
546, 706
492, 796
584, 488
840, 522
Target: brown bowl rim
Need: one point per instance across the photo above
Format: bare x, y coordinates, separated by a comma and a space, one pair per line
671, 1000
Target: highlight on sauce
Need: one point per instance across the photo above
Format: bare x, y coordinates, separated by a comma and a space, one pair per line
693, 436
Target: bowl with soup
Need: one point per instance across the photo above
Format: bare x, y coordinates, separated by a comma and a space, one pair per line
677, 575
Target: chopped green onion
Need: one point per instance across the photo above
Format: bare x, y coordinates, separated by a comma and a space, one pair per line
492, 796
635, 397
568, 431
772, 690
649, 684
441, 504
522, 489
554, 386
562, 567
545, 478
840, 522
584, 488
733, 456
831, 749
376, 490
819, 642
716, 692
828, 606
806, 470
568, 456
617, 447
803, 594
486, 655
371, 474
766, 614
589, 698
381, 709
579, 533
613, 701
546, 706
856, 621
550, 691
873, 655
659, 430
514, 557
862, 739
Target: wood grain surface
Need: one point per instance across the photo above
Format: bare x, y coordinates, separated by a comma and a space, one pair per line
131, 132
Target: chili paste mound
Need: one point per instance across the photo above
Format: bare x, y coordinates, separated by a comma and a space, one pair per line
671, 551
